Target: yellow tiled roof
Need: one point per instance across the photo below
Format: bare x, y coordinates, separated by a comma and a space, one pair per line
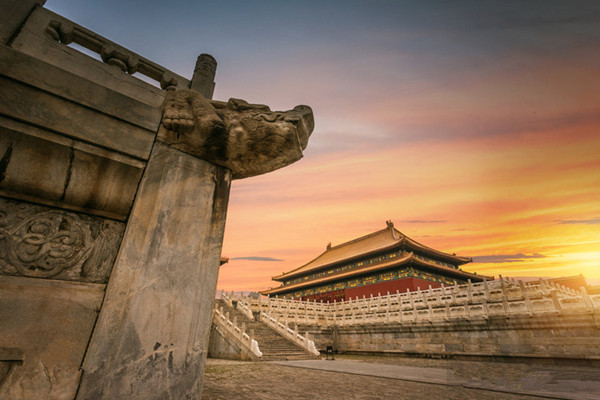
396, 262
372, 243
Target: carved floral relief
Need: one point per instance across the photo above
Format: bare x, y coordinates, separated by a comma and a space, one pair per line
42, 242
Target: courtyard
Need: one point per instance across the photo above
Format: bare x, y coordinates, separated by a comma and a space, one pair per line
365, 377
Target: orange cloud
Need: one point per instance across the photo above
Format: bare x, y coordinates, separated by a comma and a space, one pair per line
495, 195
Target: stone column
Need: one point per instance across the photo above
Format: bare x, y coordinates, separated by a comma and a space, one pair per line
152, 334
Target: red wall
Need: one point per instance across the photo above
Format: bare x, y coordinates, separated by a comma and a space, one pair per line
401, 285
391, 286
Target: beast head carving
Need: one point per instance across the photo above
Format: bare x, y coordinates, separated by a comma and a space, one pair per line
248, 139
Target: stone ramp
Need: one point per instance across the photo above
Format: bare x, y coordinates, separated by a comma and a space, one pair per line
273, 346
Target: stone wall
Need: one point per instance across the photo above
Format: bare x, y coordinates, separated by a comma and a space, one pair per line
75, 135
45, 326
221, 347
570, 335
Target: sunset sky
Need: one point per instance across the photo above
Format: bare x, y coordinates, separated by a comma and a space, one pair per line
473, 125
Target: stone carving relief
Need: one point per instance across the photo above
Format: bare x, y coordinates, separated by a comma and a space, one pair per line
248, 139
42, 242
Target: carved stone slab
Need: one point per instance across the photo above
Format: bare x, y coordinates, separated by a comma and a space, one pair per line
43, 242
248, 139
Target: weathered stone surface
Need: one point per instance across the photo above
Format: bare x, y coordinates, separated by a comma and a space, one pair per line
204, 75
41, 167
151, 338
57, 114
248, 139
26, 69
12, 15
76, 134
569, 335
44, 330
42, 242
220, 347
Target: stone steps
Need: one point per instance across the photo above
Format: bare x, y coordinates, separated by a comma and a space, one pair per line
273, 346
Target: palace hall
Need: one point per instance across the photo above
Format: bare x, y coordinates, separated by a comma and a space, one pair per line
381, 262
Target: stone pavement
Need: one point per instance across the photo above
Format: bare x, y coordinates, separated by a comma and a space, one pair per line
575, 383
363, 378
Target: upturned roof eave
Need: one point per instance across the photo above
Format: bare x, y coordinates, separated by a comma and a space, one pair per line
383, 265
399, 240
300, 271
410, 257
413, 244
452, 271
291, 274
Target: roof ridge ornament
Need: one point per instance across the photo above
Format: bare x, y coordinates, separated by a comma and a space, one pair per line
390, 226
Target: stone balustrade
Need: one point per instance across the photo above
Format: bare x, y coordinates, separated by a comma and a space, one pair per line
483, 300
245, 309
284, 329
67, 32
237, 334
227, 298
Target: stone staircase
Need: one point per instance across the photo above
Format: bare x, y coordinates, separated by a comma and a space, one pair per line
273, 346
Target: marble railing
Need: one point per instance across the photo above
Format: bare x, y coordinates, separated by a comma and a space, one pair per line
284, 329
236, 333
485, 299
227, 298
244, 309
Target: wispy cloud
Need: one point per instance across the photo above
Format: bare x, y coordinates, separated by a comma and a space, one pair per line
505, 258
253, 258
423, 221
593, 221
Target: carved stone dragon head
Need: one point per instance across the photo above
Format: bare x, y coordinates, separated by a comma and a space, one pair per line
248, 139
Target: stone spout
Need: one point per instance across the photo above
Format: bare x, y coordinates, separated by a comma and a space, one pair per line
248, 139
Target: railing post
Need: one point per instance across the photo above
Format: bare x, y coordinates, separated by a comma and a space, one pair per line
586, 298
486, 289
400, 314
504, 297
470, 291
556, 301
542, 286
525, 296
486, 311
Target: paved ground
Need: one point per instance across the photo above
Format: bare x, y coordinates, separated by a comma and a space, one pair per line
399, 378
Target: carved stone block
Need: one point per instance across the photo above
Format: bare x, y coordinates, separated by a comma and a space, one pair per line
45, 326
248, 139
43, 242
